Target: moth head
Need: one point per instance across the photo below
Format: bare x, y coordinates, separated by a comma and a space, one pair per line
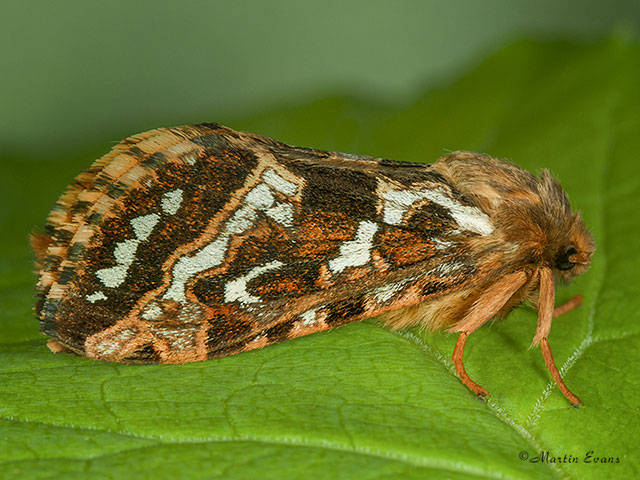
572, 255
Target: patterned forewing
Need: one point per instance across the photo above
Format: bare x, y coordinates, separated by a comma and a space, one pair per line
196, 242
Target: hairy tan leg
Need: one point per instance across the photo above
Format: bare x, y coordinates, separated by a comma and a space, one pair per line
458, 351
545, 316
55, 346
567, 306
483, 310
551, 365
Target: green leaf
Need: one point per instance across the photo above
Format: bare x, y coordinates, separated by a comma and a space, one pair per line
362, 401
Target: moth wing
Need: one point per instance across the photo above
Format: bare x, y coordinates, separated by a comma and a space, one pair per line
200, 242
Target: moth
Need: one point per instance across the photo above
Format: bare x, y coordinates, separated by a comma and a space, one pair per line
189, 243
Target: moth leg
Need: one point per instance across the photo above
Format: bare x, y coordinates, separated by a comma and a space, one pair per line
567, 306
483, 310
545, 316
551, 365
458, 351
55, 346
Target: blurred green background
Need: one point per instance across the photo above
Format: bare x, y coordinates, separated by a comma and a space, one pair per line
78, 74
547, 83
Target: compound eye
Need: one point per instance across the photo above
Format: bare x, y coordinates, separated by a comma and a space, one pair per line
564, 260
